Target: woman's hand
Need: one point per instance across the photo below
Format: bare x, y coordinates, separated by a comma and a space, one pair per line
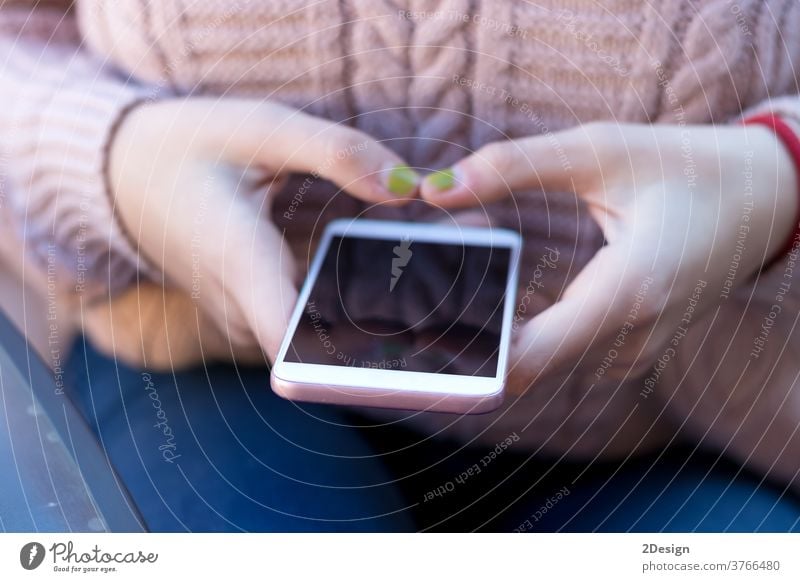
192, 181
688, 213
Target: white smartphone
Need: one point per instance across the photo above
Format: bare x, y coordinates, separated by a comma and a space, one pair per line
403, 315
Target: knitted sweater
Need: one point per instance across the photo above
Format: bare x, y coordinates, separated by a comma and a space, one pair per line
436, 79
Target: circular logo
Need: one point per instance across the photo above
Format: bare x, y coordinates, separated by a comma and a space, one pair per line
31, 555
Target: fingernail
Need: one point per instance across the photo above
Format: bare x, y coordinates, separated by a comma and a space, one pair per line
401, 180
443, 179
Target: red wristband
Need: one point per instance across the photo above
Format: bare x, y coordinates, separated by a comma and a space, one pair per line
792, 143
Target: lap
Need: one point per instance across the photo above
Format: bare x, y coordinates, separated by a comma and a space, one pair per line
212, 449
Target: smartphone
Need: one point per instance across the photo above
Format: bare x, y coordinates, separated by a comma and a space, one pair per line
403, 315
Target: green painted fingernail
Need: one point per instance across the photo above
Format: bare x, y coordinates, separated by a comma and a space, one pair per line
442, 180
402, 180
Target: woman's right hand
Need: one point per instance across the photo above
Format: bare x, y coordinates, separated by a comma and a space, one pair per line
192, 180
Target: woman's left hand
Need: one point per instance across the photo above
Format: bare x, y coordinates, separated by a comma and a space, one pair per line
689, 213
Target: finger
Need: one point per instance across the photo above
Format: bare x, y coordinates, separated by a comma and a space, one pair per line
236, 266
562, 161
287, 140
160, 329
354, 161
610, 300
260, 275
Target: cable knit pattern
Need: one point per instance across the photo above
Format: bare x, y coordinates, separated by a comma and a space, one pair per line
381, 71
435, 80
440, 113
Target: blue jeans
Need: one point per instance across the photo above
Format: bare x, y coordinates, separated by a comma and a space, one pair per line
212, 449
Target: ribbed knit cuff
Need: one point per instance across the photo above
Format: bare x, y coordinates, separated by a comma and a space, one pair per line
70, 210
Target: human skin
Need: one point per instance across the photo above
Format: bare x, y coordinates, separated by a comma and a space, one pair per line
192, 181
631, 177
671, 202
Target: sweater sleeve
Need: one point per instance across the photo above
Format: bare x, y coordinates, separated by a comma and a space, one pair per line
60, 107
735, 383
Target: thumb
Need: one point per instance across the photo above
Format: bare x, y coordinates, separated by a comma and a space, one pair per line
265, 289
354, 161
611, 293
562, 161
251, 290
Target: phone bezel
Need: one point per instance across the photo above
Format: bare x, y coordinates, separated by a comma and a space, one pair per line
402, 381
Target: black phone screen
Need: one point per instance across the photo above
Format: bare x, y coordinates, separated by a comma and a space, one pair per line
405, 305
